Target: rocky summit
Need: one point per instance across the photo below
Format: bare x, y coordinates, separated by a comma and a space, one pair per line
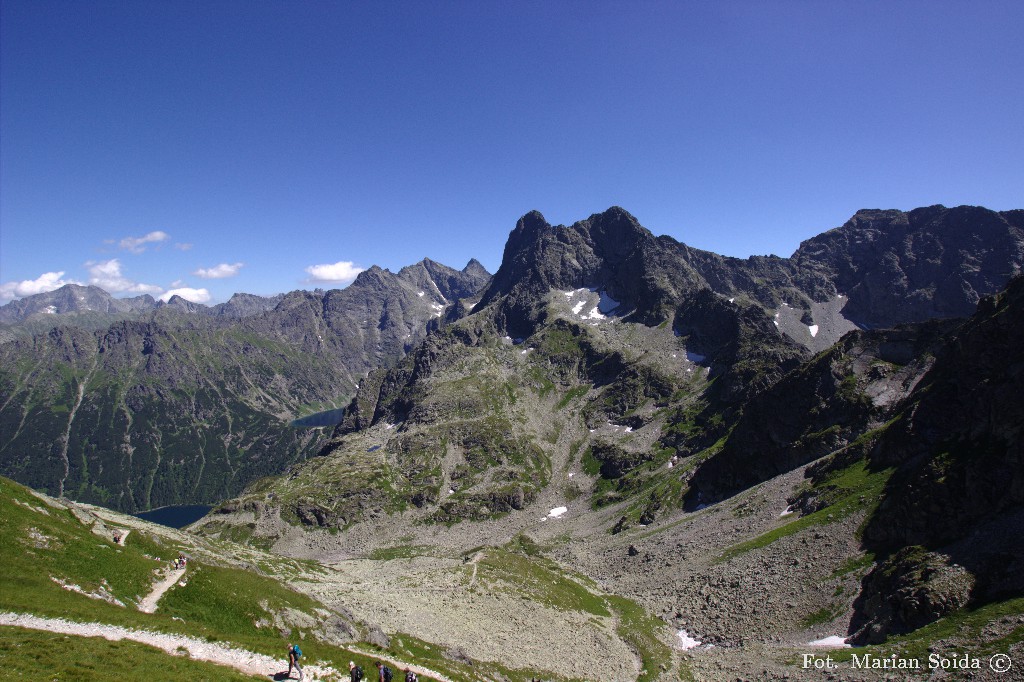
619, 458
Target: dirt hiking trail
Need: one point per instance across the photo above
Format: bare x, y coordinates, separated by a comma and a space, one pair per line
149, 603
244, 661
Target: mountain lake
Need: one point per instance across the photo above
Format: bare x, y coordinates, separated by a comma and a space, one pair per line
176, 516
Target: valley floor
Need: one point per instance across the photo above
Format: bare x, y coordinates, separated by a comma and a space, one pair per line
756, 592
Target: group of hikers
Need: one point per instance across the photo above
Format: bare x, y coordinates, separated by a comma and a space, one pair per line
384, 673
355, 672
180, 562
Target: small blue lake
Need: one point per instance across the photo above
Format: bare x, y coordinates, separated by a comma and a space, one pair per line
325, 418
177, 516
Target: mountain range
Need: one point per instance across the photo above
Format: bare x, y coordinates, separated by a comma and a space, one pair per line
613, 453
136, 404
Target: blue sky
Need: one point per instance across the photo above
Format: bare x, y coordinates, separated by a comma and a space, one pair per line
223, 146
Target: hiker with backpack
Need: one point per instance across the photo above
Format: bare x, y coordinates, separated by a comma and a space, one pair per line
355, 672
410, 676
294, 654
384, 673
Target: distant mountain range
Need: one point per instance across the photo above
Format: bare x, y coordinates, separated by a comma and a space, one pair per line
92, 306
136, 404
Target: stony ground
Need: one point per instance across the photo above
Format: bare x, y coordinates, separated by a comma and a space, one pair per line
748, 611
752, 612
755, 600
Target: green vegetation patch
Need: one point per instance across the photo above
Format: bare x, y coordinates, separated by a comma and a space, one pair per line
221, 604
559, 341
858, 563
652, 486
402, 552
41, 543
571, 395
826, 614
637, 628
218, 600
438, 657
845, 491
591, 465
542, 580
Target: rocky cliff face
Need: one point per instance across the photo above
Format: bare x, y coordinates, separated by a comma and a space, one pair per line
189, 404
907, 267
950, 520
142, 415
820, 407
958, 445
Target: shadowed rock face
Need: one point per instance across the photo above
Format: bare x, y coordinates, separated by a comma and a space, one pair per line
824, 405
958, 449
957, 494
909, 590
907, 267
745, 351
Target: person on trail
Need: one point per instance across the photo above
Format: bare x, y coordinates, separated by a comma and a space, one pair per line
355, 672
294, 654
410, 676
384, 673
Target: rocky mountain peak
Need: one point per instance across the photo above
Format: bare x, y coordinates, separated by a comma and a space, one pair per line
616, 233
244, 305
71, 299
183, 304
239, 372
475, 268
374, 276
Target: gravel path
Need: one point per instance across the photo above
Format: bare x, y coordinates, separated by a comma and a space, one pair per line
397, 666
239, 659
149, 603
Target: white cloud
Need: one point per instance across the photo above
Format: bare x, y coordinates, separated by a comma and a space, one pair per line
48, 281
107, 275
187, 293
219, 271
342, 271
183, 246
138, 244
